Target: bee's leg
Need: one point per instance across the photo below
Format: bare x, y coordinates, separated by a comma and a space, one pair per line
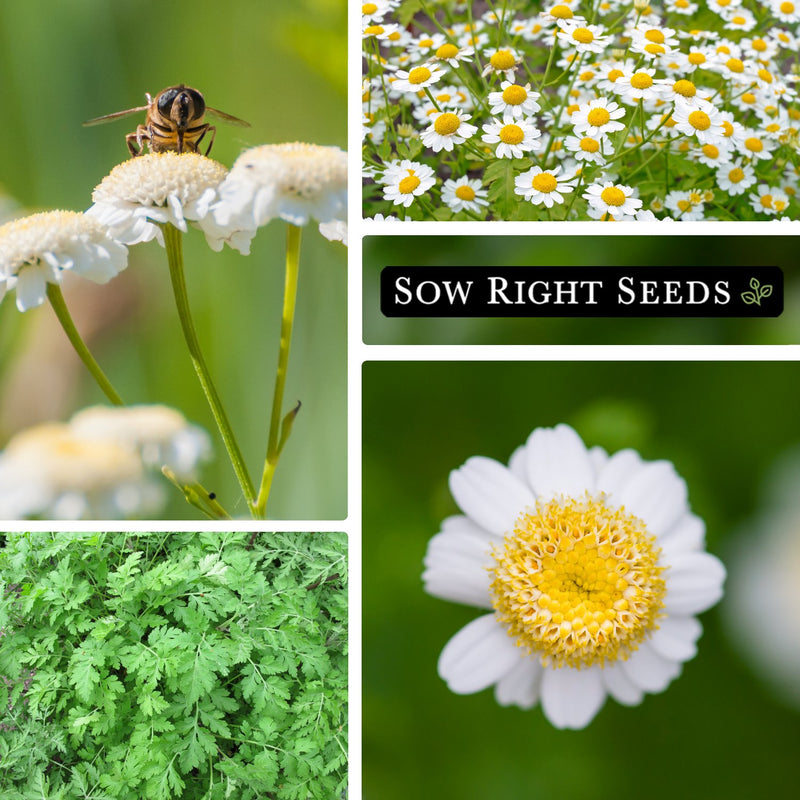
213, 131
130, 139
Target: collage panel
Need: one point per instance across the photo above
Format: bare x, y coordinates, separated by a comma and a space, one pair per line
165, 236
173, 665
580, 110
575, 570
579, 290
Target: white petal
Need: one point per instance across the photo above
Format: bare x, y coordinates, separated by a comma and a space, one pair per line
456, 563
520, 687
656, 494
617, 471
675, 638
31, 287
650, 671
694, 583
488, 493
620, 686
558, 463
686, 536
572, 697
480, 654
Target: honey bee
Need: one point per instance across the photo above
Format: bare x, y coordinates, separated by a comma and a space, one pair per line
174, 121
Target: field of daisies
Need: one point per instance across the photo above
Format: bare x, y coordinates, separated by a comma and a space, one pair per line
581, 110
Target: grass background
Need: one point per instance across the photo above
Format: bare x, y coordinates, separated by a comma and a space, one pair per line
716, 732
570, 250
279, 65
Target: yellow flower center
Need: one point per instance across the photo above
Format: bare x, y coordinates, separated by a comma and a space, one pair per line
654, 49
614, 74
561, 12
589, 145
425, 43
544, 182
446, 124
684, 88
766, 200
407, 185
734, 65
577, 582
373, 30
699, 120
710, 151
503, 60
754, 145
787, 8
736, 175
654, 35
447, 51
749, 98
612, 196
685, 205
641, 80
773, 127
583, 35
572, 108
369, 8
511, 134
759, 44
514, 95
465, 193
419, 75
598, 117
696, 59
739, 20
765, 75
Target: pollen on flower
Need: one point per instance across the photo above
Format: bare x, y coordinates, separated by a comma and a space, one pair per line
465, 193
447, 124
419, 75
699, 120
511, 134
514, 95
503, 60
641, 80
544, 182
597, 117
151, 178
407, 185
447, 51
612, 196
577, 582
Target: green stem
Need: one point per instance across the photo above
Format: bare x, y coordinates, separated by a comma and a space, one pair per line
60, 308
275, 442
172, 241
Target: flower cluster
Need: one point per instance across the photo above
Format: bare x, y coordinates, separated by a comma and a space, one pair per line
102, 464
585, 110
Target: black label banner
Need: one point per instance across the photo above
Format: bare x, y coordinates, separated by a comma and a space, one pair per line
582, 291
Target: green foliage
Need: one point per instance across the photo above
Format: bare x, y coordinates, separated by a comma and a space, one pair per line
173, 665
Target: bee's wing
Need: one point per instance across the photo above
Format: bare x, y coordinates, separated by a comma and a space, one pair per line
115, 115
231, 120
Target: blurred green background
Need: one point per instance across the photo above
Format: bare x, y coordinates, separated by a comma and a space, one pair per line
716, 732
279, 65
571, 250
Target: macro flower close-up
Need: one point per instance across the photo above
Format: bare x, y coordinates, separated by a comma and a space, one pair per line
592, 567
37, 249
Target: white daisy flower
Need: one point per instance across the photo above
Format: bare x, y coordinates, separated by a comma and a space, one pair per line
703, 122
641, 85
464, 194
49, 472
612, 198
160, 436
446, 130
514, 100
756, 146
405, 180
735, 179
514, 138
769, 200
593, 569
598, 117
377, 9
416, 79
452, 54
502, 62
589, 148
142, 193
542, 187
35, 251
687, 204
294, 181
585, 38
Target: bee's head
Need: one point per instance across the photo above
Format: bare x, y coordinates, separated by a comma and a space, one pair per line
182, 105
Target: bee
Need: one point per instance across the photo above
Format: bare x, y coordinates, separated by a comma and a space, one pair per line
174, 121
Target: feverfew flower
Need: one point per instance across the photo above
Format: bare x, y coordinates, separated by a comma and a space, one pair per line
514, 100
592, 567
598, 117
142, 193
514, 138
294, 181
542, 187
464, 194
613, 199
35, 251
405, 180
160, 435
583, 37
416, 79
446, 130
